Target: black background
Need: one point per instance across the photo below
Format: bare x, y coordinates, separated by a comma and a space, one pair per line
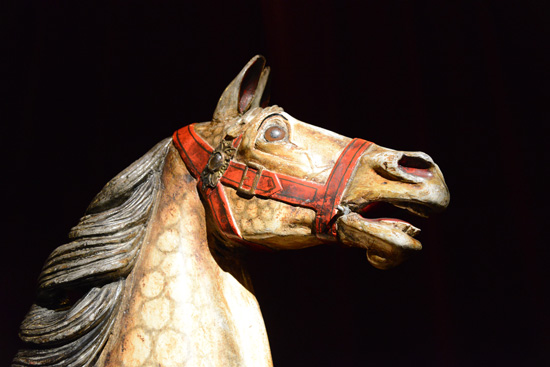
90, 87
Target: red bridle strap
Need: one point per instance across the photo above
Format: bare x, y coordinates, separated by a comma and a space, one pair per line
254, 180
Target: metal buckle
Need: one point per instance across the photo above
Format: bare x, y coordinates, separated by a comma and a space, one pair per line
252, 190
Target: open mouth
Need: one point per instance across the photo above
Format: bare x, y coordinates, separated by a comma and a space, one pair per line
388, 213
374, 226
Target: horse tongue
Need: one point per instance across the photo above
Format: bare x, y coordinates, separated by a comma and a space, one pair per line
387, 241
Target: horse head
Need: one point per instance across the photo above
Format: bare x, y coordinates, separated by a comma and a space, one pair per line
272, 181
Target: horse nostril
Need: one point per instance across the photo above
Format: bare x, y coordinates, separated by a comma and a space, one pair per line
414, 162
417, 166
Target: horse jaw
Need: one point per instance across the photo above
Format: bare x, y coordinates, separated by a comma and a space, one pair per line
273, 224
387, 240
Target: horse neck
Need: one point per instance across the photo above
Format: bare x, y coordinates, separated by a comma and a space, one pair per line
184, 305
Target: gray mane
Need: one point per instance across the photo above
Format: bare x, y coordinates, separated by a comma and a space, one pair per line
82, 282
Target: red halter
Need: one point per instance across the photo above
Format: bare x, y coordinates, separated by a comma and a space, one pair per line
254, 180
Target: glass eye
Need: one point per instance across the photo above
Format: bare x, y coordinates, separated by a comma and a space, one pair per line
274, 133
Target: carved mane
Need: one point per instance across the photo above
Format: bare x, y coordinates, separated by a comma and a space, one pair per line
64, 328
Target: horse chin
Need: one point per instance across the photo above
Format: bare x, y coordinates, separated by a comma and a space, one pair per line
387, 241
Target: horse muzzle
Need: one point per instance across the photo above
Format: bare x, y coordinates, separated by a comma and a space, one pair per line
389, 178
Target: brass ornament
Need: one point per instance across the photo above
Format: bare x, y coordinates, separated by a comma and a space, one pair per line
217, 164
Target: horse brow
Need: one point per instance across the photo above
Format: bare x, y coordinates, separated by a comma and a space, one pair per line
271, 115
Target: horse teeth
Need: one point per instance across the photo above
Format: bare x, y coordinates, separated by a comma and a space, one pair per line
403, 226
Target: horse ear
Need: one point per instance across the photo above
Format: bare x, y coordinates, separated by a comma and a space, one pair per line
244, 92
261, 97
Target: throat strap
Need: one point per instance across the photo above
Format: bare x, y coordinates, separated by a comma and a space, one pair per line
255, 180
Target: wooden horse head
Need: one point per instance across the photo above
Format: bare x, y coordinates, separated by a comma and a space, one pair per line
274, 181
152, 273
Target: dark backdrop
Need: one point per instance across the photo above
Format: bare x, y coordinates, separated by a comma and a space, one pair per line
91, 86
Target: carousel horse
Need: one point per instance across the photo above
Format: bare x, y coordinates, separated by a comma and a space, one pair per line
153, 273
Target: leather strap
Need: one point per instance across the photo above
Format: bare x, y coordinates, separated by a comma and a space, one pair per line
254, 180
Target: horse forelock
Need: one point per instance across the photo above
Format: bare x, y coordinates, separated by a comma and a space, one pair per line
68, 328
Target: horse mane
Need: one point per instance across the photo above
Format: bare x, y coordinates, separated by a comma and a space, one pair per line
82, 282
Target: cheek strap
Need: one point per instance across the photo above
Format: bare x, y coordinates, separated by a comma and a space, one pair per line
254, 180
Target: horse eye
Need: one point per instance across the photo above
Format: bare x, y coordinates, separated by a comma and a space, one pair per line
274, 133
